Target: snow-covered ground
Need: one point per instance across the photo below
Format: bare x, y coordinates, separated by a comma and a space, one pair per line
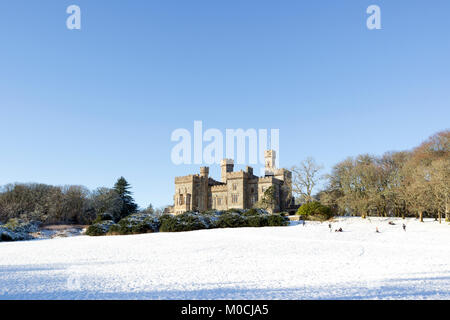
292, 262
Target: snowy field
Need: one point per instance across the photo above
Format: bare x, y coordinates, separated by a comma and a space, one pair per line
292, 262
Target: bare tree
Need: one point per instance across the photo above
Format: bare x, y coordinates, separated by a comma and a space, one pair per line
305, 178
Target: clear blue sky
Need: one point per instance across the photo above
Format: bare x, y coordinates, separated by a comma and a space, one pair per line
85, 107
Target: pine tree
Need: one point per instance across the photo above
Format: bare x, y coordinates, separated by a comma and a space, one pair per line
122, 187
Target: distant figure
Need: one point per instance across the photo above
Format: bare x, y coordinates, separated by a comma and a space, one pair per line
377, 231
329, 226
338, 230
404, 227
391, 223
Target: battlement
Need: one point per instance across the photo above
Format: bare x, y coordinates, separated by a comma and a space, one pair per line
238, 174
204, 171
225, 162
267, 179
188, 178
219, 188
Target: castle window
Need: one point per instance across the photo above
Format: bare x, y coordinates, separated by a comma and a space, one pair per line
219, 201
252, 190
234, 186
234, 198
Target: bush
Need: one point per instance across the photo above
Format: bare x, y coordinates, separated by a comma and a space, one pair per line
21, 226
230, 220
17, 230
251, 212
99, 229
6, 235
106, 216
188, 221
135, 224
257, 221
277, 220
239, 211
169, 223
315, 211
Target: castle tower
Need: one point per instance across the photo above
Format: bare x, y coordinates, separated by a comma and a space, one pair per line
227, 165
269, 160
203, 196
204, 172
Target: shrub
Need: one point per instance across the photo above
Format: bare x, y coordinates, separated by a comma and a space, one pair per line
230, 220
314, 211
135, 224
169, 223
17, 229
5, 235
188, 221
106, 216
251, 212
277, 220
234, 210
257, 221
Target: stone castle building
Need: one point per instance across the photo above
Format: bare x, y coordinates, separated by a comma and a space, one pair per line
240, 190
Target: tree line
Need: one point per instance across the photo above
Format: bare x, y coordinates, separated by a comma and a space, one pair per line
413, 183
65, 204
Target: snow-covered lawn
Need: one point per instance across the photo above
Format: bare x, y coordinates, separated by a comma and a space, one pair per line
292, 262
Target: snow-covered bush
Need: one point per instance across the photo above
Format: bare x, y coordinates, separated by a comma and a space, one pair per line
21, 226
257, 221
100, 228
104, 217
16, 230
135, 224
231, 220
277, 220
187, 221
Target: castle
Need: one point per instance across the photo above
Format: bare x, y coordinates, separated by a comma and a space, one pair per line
236, 190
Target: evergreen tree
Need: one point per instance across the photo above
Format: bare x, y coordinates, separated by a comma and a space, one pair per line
122, 187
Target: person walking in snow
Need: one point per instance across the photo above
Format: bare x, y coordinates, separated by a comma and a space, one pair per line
329, 226
404, 227
377, 231
304, 222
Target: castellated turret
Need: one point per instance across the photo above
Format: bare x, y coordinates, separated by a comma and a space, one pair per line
204, 172
227, 165
269, 160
